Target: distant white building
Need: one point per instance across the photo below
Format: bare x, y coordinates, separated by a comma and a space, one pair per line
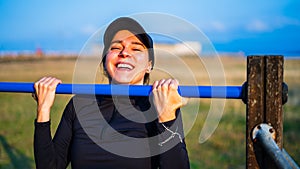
178, 49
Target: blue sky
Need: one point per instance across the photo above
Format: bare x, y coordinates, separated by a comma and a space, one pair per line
253, 27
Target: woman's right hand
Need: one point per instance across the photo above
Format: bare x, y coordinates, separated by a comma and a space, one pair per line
167, 99
44, 95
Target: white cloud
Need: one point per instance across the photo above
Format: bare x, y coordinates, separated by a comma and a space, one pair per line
218, 26
258, 26
285, 21
89, 29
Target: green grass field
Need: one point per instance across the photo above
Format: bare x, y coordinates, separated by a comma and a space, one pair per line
224, 149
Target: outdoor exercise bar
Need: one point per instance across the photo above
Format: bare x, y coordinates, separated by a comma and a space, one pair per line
228, 92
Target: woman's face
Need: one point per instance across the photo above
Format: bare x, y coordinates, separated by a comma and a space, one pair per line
127, 59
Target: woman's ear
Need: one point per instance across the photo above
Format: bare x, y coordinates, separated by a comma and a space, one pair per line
103, 65
149, 68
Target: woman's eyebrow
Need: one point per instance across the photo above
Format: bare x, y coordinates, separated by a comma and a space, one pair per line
138, 43
116, 41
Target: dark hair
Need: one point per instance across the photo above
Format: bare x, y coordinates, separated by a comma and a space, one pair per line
126, 23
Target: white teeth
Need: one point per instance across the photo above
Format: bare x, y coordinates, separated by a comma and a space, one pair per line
123, 65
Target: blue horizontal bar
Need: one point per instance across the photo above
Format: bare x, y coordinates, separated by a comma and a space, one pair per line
229, 92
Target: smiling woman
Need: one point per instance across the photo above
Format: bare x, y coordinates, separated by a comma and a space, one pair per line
113, 131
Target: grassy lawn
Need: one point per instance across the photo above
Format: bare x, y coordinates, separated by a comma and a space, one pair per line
224, 149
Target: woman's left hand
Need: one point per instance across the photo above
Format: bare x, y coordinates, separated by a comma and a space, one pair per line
167, 99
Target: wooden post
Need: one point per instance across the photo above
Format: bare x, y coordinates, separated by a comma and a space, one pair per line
264, 103
255, 103
273, 94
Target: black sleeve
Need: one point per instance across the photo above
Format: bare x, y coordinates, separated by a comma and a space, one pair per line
172, 145
54, 153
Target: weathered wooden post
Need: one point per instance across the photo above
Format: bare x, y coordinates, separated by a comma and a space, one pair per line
264, 104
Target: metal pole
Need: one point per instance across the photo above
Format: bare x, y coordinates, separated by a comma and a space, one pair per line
291, 161
264, 135
228, 92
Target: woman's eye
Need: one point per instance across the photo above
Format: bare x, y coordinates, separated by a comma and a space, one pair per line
136, 49
115, 48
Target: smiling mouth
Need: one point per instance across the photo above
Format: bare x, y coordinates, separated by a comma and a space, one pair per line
124, 66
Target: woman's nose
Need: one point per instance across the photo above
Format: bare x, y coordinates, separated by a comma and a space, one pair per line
124, 53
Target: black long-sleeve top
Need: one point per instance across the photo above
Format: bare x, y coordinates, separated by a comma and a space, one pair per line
105, 132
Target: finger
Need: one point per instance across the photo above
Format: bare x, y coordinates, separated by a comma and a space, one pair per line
56, 82
157, 92
41, 80
42, 87
160, 84
154, 86
48, 81
174, 84
176, 81
46, 84
165, 84
51, 83
37, 84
